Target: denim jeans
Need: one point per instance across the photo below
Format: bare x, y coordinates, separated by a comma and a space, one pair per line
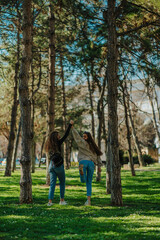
54, 173
88, 170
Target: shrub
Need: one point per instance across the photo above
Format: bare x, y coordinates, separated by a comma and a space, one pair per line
135, 159
121, 153
148, 159
125, 159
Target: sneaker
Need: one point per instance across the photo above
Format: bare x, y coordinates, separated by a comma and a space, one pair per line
62, 203
49, 204
87, 203
81, 169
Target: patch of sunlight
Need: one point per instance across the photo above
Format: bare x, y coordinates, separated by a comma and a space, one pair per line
149, 3
147, 229
140, 217
132, 218
11, 217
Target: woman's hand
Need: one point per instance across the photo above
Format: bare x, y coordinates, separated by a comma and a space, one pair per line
71, 122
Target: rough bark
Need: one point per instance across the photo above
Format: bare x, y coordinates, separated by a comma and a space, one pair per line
42, 147
51, 90
107, 154
64, 114
153, 113
104, 128
157, 103
13, 113
99, 131
135, 138
25, 106
91, 105
108, 165
116, 189
16, 147
100, 111
32, 119
128, 131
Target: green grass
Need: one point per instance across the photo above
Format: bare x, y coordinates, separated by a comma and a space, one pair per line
139, 218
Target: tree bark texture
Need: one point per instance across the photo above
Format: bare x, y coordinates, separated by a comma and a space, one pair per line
100, 112
16, 147
99, 130
153, 113
107, 153
51, 90
157, 103
135, 138
52, 55
13, 114
64, 114
108, 165
32, 115
112, 78
25, 106
91, 104
128, 131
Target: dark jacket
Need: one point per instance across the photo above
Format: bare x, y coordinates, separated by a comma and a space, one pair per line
60, 141
56, 158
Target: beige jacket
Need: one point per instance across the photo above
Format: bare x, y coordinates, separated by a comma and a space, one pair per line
84, 151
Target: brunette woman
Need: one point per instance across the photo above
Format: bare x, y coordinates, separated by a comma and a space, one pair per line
88, 156
53, 147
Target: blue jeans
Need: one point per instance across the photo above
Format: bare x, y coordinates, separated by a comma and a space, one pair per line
54, 173
88, 170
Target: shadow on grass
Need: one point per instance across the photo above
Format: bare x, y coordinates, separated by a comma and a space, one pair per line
29, 221
137, 219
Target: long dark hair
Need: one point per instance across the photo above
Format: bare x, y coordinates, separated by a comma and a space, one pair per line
52, 142
92, 145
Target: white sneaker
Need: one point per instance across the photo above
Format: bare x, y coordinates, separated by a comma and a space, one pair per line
87, 203
62, 203
49, 204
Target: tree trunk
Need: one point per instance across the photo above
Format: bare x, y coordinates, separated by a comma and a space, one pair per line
14, 113
51, 92
64, 114
41, 153
153, 114
32, 114
104, 128
135, 138
108, 165
91, 105
101, 121
100, 111
116, 189
69, 150
25, 106
128, 131
16, 147
99, 131
157, 103
107, 154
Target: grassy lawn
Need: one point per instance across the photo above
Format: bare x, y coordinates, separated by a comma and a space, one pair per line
139, 218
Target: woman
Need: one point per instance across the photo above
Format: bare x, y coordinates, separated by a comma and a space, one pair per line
53, 147
88, 155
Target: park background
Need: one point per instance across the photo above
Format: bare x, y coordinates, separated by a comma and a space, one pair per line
96, 62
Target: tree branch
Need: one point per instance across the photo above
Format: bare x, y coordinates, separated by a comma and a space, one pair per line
146, 9
146, 24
